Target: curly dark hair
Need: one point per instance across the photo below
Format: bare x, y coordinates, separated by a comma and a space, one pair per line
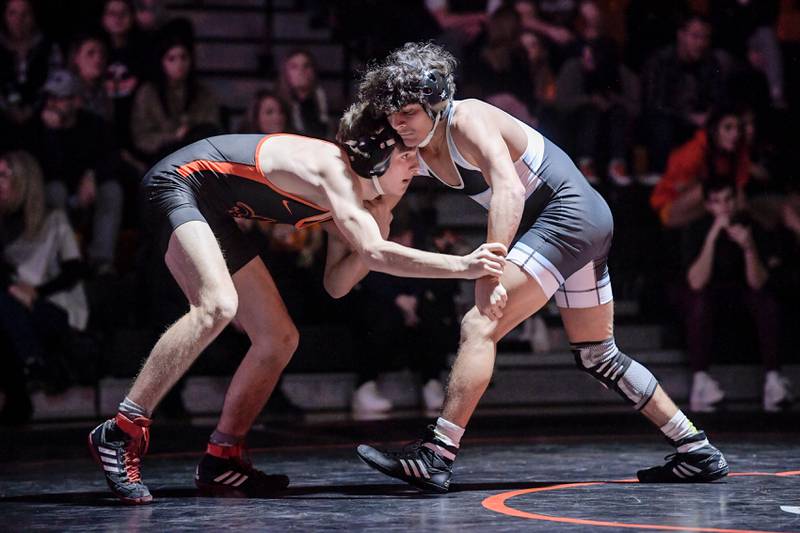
359, 120
395, 82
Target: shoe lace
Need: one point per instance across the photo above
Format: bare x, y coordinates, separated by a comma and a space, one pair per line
411, 448
132, 456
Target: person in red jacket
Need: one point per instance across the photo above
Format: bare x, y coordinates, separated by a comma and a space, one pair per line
718, 150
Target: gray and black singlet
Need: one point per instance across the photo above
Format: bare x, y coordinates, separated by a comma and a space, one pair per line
566, 229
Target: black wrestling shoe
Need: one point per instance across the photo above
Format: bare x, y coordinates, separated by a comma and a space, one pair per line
417, 463
224, 472
118, 445
702, 465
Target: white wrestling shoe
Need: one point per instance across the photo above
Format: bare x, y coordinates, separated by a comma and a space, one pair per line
368, 399
777, 392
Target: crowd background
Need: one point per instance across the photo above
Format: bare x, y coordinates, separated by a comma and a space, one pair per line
682, 113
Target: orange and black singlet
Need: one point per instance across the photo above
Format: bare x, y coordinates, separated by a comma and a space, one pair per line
216, 180
222, 173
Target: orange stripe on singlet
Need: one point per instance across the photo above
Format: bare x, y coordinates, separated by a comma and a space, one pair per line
253, 173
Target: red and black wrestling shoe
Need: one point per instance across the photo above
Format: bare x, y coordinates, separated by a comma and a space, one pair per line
223, 471
118, 445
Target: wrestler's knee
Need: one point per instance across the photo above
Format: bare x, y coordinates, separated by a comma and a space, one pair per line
475, 327
217, 308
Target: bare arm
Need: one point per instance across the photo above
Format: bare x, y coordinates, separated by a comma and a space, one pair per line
343, 266
481, 140
363, 234
699, 273
755, 271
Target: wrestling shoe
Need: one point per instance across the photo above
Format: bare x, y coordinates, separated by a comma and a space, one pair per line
417, 463
700, 465
223, 471
118, 445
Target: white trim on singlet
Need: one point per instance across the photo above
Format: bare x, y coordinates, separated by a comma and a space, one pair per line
527, 166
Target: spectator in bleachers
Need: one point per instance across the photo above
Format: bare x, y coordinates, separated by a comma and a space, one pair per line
299, 86
543, 81
741, 26
460, 23
649, 26
599, 97
26, 56
267, 113
718, 150
149, 15
176, 108
80, 162
680, 83
498, 70
126, 65
408, 320
728, 262
41, 298
554, 21
87, 60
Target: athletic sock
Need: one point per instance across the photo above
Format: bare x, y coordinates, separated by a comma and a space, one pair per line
450, 436
132, 410
224, 445
678, 428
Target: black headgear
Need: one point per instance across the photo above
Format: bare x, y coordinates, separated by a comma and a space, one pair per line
370, 155
434, 89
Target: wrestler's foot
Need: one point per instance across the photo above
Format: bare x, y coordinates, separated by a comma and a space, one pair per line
118, 445
701, 465
224, 472
417, 463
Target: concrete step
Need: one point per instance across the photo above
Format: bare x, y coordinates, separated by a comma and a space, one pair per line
216, 23
519, 381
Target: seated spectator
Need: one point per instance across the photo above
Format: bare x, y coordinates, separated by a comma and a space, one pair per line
42, 299
26, 56
126, 66
404, 319
600, 98
498, 71
554, 21
176, 108
87, 59
742, 26
680, 83
717, 150
79, 158
728, 262
267, 113
298, 85
649, 26
543, 81
459, 22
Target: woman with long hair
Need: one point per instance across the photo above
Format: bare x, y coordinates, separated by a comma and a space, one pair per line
42, 298
717, 150
299, 86
176, 108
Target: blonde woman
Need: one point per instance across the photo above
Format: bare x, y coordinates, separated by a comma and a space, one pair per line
42, 298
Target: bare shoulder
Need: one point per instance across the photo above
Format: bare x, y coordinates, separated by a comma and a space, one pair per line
304, 156
474, 122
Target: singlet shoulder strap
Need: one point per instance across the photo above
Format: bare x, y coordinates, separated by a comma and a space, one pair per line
455, 155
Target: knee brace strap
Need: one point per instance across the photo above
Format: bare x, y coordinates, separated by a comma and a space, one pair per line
615, 370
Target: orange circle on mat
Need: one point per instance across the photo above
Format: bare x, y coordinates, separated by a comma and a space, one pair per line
497, 503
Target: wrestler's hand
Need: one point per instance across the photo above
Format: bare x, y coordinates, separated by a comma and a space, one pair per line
490, 297
487, 260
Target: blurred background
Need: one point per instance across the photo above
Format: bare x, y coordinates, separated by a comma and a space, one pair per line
679, 112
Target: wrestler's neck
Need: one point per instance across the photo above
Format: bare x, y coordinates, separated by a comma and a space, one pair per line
438, 142
366, 188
